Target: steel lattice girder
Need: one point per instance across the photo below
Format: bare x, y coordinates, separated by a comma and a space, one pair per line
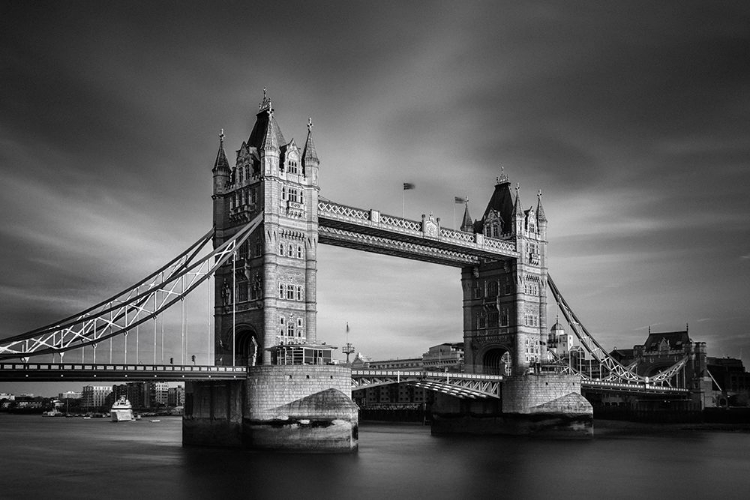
140, 303
456, 384
617, 371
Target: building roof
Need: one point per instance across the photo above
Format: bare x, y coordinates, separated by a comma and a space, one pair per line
675, 340
501, 202
309, 156
221, 162
266, 132
540, 216
467, 224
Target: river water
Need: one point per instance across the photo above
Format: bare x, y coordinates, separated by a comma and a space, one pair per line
75, 458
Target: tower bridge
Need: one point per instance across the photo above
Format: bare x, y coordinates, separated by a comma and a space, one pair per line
261, 260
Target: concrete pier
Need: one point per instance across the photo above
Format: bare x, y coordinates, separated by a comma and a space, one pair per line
279, 407
545, 404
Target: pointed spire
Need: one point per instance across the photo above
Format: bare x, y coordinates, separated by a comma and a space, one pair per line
517, 208
467, 225
270, 138
265, 104
503, 177
221, 162
309, 156
540, 217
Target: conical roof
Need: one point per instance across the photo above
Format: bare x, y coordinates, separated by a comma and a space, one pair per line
502, 203
221, 162
467, 224
540, 216
309, 155
266, 132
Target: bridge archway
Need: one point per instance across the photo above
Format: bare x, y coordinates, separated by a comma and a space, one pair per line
497, 361
247, 346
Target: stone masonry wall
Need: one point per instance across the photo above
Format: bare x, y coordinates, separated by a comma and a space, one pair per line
548, 393
271, 387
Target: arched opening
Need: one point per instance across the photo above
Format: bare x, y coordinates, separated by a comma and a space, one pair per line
247, 348
497, 361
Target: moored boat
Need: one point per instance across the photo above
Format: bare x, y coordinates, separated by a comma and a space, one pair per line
122, 410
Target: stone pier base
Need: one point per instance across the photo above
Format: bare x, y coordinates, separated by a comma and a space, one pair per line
545, 405
293, 407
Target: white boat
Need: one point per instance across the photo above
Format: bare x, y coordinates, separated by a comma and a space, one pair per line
122, 410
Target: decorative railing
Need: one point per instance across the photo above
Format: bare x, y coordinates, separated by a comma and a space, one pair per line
426, 228
399, 223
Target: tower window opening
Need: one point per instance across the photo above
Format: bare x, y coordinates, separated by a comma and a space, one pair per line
299, 251
299, 294
281, 290
290, 292
290, 249
281, 249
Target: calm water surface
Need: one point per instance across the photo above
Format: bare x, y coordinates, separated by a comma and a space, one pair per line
76, 458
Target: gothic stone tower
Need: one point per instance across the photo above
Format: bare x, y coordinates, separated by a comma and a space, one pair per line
505, 302
270, 300
265, 303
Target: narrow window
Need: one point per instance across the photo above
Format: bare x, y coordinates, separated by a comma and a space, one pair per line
281, 291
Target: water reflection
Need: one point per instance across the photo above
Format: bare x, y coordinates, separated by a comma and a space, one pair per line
73, 458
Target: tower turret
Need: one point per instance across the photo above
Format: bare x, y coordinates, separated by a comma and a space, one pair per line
221, 170
467, 225
541, 218
310, 162
518, 214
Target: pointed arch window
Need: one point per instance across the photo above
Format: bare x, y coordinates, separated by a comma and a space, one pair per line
281, 290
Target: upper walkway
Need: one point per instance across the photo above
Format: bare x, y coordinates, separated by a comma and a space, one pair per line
425, 240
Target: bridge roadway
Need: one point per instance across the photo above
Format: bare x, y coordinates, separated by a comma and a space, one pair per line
56, 372
461, 385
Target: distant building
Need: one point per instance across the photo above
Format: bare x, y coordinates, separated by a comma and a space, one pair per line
94, 396
730, 380
558, 342
663, 350
444, 357
176, 396
69, 395
362, 362
159, 393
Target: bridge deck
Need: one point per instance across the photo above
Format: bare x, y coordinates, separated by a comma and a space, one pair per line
57, 372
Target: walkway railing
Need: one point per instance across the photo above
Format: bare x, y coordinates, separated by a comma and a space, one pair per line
49, 372
427, 232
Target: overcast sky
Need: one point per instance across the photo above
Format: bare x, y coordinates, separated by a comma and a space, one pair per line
631, 117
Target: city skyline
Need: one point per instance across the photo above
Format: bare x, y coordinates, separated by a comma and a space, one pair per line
629, 118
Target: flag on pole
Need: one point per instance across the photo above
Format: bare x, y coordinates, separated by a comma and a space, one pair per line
347, 327
408, 185
458, 199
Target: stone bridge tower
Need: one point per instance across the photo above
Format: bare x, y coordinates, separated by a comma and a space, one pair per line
505, 302
270, 298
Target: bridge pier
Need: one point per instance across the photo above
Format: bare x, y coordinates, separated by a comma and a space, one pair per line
279, 407
544, 404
